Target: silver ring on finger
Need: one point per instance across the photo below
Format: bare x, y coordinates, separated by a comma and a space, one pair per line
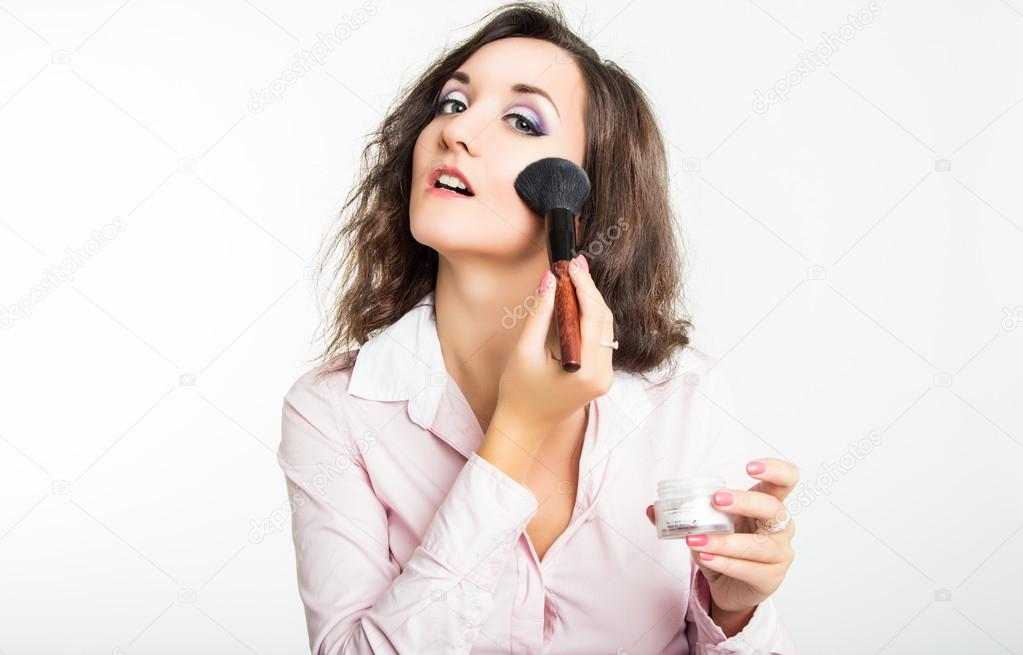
610, 344
774, 527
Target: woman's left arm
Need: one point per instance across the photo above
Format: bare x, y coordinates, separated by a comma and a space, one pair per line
735, 574
743, 569
730, 608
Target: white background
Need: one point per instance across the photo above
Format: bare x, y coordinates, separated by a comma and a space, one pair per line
855, 285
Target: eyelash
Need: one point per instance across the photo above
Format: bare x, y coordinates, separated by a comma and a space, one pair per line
534, 130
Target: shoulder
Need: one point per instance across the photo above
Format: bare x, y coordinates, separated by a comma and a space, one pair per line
325, 382
687, 368
693, 391
318, 397
317, 423
675, 386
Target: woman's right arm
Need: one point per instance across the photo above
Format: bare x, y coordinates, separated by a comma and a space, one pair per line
355, 599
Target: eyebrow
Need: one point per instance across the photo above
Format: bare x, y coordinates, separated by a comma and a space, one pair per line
517, 88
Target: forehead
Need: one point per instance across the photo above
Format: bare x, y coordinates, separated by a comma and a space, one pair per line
514, 60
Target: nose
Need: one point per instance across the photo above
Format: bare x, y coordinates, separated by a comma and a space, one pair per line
460, 132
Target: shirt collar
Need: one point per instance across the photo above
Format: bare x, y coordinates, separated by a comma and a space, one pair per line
404, 362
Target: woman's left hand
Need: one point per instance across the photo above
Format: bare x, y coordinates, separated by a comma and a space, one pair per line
747, 566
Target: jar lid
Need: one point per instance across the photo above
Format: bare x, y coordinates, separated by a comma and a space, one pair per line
678, 486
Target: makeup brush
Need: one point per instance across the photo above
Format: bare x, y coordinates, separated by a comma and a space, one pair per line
555, 189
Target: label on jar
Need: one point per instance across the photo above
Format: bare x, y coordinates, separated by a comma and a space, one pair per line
689, 514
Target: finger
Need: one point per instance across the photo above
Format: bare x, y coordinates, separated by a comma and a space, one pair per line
595, 318
757, 547
778, 477
755, 504
589, 296
538, 323
650, 514
748, 571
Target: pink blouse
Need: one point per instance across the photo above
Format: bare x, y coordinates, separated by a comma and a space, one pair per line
407, 541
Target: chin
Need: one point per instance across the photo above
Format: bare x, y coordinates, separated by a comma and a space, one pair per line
453, 232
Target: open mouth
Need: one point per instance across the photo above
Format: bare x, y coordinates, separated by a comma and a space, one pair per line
463, 191
451, 179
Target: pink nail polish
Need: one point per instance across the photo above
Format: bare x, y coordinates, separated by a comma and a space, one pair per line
722, 498
706, 556
696, 539
755, 468
545, 281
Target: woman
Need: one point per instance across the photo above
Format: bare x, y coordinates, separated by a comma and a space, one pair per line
454, 489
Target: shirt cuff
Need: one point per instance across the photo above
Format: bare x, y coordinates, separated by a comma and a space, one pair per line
762, 635
479, 522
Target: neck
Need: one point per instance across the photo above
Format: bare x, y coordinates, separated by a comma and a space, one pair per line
480, 307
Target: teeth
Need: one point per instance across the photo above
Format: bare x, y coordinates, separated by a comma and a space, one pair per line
452, 181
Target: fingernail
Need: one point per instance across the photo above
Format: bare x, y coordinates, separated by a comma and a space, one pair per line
755, 468
583, 264
706, 556
545, 283
722, 498
696, 539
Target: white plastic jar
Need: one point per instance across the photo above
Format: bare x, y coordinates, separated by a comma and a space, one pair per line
686, 506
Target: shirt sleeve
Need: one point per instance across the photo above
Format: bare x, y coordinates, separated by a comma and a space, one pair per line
354, 597
719, 449
764, 634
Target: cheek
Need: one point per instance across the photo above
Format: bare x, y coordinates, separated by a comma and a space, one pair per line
501, 176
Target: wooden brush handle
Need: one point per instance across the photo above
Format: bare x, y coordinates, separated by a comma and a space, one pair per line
566, 315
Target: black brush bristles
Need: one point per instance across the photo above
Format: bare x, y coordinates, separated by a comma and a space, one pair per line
552, 183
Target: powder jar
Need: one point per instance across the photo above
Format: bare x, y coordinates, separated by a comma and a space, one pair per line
685, 506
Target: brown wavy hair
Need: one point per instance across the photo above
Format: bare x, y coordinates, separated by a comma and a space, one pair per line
628, 229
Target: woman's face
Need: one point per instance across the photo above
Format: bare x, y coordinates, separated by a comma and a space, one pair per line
490, 131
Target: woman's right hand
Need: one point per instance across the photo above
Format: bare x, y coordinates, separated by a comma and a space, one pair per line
535, 393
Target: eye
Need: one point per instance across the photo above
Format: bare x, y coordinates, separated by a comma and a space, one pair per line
445, 101
522, 124
531, 128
